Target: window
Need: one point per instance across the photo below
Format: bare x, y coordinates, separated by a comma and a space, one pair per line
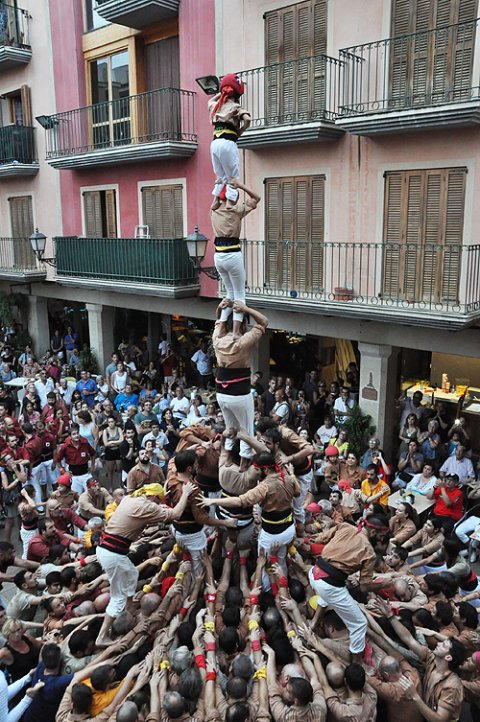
423, 232
100, 213
21, 219
163, 210
109, 84
429, 67
92, 19
295, 33
294, 232
15, 107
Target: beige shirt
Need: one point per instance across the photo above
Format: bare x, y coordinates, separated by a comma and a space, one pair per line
402, 529
274, 493
134, 514
88, 503
349, 551
316, 711
363, 709
138, 476
444, 694
227, 221
430, 543
230, 112
399, 707
236, 482
234, 352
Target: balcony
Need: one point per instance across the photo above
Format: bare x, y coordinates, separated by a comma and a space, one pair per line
152, 266
18, 262
17, 152
292, 102
137, 13
421, 81
15, 47
151, 126
415, 284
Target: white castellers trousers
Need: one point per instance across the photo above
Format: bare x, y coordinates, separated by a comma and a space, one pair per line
226, 165
238, 412
231, 268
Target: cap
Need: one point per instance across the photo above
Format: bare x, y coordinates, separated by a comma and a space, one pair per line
331, 451
314, 508
91, 482
65, 480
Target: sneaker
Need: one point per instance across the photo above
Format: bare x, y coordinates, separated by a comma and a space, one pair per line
473, 557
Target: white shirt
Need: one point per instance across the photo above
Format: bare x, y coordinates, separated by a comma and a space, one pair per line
325, 434
162, 438
43, 389
462, 467
421, 485
162, 348
282, 409
180, 408
342, 408
202, 362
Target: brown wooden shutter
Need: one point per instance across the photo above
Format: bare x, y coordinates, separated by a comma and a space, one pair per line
21, 216
294, 33
431, 67
26, 106
294, 233
92, 205
163, 210
423, 231
111, 214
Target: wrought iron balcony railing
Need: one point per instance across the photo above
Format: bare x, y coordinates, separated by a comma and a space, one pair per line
14, 26
16, 256
157, 261
422, 69
166, 114
293, 92
17, 144
409, 278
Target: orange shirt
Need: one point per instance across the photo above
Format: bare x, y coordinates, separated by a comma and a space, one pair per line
369, 490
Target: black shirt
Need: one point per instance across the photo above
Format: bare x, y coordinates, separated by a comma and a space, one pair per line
128, 464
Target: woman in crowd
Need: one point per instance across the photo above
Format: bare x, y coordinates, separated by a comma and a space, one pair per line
112, 439
403, 524
88, 427
411, 431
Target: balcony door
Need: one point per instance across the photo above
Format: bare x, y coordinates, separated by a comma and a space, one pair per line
295, 37
100, 213
423, 232
294, 233
111, 122
16, 132
21, 221
163, 210
431, 54
162, 70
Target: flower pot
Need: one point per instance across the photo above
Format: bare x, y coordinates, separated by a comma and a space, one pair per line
343, 294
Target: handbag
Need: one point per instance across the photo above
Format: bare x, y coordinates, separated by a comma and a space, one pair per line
10, 495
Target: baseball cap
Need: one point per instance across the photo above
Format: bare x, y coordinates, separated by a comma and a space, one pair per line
64, 480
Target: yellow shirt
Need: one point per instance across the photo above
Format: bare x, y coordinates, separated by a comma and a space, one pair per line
109, 509
367, 490
100, 699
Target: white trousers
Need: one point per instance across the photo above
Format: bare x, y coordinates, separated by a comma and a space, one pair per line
39, 479
265, 541
305, 481
195, 544
238, 412
122, 576
464, 529
51, 475
25, 536
231, 268
226, 165
79, 483
347, 609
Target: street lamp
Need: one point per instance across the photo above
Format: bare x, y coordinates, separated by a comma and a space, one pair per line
197, 246
210, 84
38, 242
48, 122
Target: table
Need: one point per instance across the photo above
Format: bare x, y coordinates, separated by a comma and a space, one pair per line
18, 385
429, 391
421, 504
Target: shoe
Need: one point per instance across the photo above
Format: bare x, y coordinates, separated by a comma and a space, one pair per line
473, 557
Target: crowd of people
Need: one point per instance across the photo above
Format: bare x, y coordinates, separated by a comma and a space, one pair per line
217, 548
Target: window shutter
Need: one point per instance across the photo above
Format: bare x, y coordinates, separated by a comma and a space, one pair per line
294, 233
111, 214
26, 106
423, 230
21, 216
93, 214
163, 210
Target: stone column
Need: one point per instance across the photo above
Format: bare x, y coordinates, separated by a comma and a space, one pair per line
100, 329
38, 327
378, 377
